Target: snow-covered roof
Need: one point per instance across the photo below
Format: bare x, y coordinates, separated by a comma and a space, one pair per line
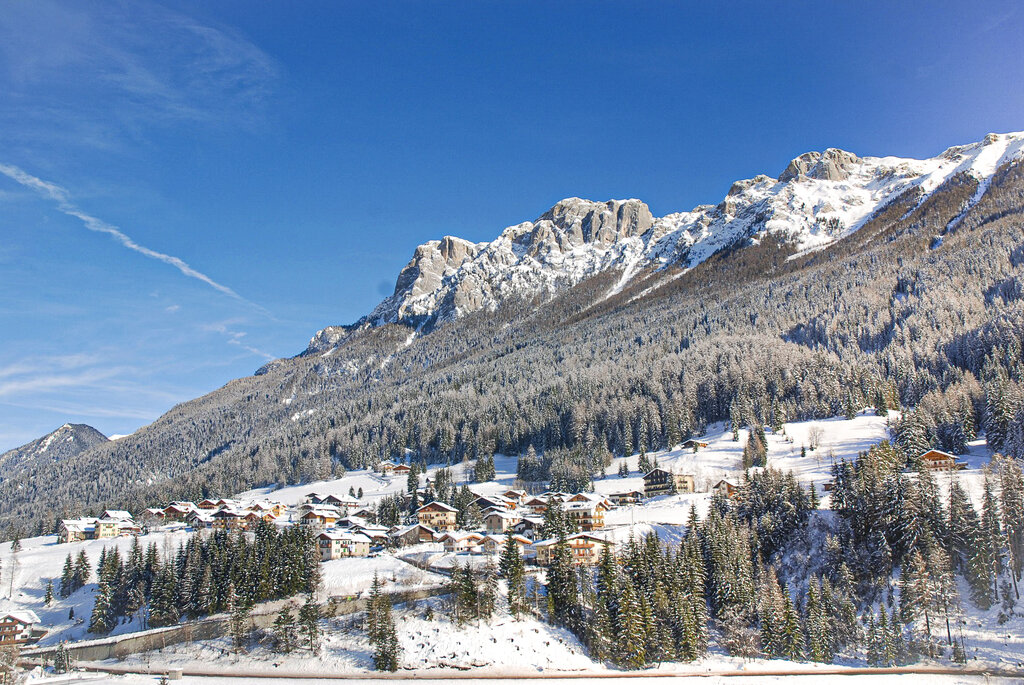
577, 536
25, 616
116, 514
442, 505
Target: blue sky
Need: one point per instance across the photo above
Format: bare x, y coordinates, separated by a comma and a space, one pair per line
188, 189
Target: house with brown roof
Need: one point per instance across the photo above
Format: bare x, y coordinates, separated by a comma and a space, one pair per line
724, 488
18, 628
437, 515
339, 544
413, 535
937, 460
663, 482
584, 548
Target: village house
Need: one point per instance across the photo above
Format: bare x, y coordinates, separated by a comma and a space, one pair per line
412, 535
461, 542
378, 535
320, 517
587, 515
514, 495
200, 520
494, 544
339, 544
627, 497
535, 505
694, 445
229, 519
401, 470
724, 488
17, 628
494, 502
178, 511
528, 527
937, 460
500, 521
662, 482
153, 516
437, 515
112, 524
584, 548
386, 467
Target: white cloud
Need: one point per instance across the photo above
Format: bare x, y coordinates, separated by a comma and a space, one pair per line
64, 204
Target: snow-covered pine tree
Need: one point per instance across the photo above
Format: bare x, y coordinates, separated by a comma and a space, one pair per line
630, 641
285, 630
511, 566
309, 623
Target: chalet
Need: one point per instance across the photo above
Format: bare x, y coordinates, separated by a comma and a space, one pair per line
107, 528
378, 535
536, 505
494, 544
17, 628
229, 519
117, 514
494, 502
500, 521
75, 530
461, 542
514, 495
437, 515
200, 520
320, 517
627, 497
153, 516
661, 482
584, 548
724, 488
178, 511
338, 544
694, 445
587, 515
412, 535
528, 526
937, 460
401, 470
208, 504
386, 467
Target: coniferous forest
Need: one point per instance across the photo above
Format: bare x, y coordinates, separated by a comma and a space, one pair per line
885, 317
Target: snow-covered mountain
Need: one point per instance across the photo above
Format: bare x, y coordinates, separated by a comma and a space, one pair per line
69, 440
819, 198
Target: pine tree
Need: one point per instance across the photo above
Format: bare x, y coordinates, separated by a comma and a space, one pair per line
630, 640
238, 618
511, 566
563, 596
792, 636
309, 623
67, 578
48, 595
102, 621
285, 630
384, 638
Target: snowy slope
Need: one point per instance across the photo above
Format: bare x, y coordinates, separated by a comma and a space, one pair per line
819, 198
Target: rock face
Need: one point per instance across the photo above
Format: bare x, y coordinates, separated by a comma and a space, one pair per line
66, 442
818, 198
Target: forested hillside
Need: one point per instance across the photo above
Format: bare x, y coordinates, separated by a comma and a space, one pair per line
919, 308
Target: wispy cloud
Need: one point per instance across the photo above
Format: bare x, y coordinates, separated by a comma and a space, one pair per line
236, 338
60, 196
121, 68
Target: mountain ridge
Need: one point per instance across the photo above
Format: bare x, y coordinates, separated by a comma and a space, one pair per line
65, 442
818, 198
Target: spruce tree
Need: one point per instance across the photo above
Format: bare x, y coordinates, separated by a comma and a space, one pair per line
48, 595
309, 623
284, 630
67, 578
511, 566
101, 621
238, 618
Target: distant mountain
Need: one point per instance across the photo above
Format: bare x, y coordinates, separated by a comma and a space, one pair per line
819, 198
66, 442
600, 328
